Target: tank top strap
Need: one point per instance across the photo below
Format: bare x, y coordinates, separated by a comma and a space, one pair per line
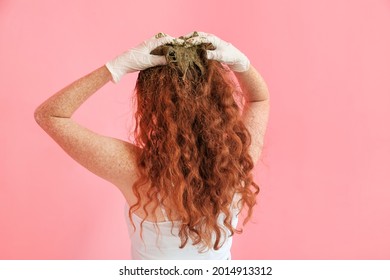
162, 208
236, 198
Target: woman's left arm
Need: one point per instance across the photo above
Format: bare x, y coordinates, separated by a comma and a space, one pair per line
109, 158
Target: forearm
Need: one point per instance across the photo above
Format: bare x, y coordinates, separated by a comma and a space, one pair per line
253, 85
65, 102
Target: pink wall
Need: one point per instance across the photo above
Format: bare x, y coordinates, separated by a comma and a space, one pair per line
325, 182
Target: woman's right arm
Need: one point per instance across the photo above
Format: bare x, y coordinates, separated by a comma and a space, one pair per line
256, 109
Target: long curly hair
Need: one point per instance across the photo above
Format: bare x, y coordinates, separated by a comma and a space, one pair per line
194, 146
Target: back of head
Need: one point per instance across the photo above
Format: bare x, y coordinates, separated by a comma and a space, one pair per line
194, 144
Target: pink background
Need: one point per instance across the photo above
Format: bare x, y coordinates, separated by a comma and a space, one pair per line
326, 173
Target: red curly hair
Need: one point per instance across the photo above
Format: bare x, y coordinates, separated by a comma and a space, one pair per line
194, 148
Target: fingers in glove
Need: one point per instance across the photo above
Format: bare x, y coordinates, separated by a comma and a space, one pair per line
213, 55
197, 40
158, 60
196, 34
189, 35
215, 41
157, 40
160, 35
160, 41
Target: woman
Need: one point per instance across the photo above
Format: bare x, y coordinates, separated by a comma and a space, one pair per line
189, 173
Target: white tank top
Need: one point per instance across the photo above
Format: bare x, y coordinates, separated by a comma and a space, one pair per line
163, 243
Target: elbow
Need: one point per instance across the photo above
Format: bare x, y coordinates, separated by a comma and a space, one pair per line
39, 116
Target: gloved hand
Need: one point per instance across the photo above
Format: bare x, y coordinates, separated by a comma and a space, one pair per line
138, 58
224, 52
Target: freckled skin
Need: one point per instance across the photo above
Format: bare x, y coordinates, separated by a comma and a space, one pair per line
113, 159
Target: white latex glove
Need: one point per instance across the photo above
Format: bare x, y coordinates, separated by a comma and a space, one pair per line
224, 52
138, 58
